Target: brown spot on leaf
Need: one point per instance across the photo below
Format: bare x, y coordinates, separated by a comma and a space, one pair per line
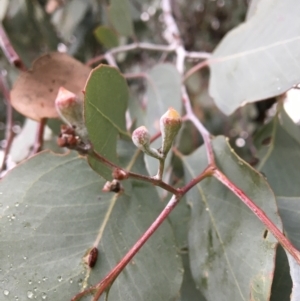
90, 257
93, 256
266, 141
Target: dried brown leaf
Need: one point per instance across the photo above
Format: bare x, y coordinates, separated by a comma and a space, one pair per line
34, 92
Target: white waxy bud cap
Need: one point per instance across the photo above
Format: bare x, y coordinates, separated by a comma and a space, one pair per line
141, 137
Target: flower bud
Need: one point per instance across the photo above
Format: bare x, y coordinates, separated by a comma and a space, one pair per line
141, 137
113, 186
70, 109
119, 174
170, 124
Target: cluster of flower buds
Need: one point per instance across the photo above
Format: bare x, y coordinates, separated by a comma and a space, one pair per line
113, 186
170, 124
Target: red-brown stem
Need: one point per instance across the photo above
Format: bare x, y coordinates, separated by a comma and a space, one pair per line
208, 171
259, 213
9, 51
154, 181
155, 136
9, 135
196, 68
109, 279
39, 140
134, 175
103, 160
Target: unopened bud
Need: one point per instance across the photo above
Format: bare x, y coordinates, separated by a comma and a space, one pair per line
113, 186
170, 124
141, 137
119, 174
70, 109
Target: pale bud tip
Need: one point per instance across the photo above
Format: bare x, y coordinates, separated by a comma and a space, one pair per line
172, 113
65, 97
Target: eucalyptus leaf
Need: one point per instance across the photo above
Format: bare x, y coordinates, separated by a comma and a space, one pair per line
105, 104
106, 36
163, 91
280, 162
225, 237
180, 219
53, 211
259, 59
295, 274
282, 283
120, 16
69, 17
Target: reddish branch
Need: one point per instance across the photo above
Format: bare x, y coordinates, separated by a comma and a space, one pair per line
39, 139
9, 51
259, 213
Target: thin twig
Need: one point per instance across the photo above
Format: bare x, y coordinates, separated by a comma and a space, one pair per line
136, 75
129, 174
259, 213
111, 60
198, 55
9, 51
202, 130
133, 46
39, 139
196, 68
208, 171
9, 134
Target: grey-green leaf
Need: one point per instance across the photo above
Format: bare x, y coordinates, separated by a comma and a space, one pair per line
106, 36
280, 162
258, 59
295, 275
105, 104
231, 254
180, 219
120, 16
52, 211
282, 283
163, 91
